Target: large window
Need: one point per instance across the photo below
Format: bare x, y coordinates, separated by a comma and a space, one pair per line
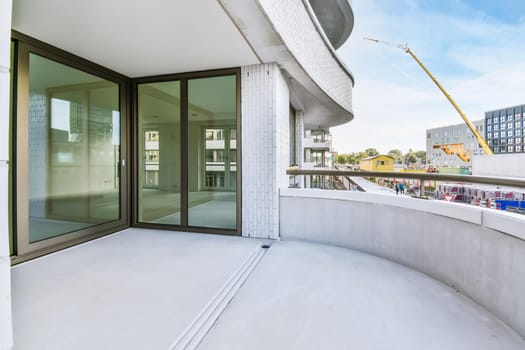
68, 152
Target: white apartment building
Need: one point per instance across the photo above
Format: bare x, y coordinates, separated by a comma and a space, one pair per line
318, 154
145, 200
172, 115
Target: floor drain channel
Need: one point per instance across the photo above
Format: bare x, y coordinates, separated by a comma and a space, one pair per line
197, 330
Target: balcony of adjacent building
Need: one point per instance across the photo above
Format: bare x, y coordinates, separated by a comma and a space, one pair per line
351, 270
319, 140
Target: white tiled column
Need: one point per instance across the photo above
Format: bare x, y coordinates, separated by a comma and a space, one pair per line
265, 148
6, 338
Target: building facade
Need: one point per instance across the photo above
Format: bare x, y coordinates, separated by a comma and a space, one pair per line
505, 129
453, 145
318, 154
137, 115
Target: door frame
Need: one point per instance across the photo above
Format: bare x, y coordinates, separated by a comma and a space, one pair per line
22, 249
183, 79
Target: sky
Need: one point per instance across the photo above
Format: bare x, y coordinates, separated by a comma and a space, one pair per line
475, 49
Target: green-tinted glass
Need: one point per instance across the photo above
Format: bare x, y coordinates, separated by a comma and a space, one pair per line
159, 153
212, 152
74, 149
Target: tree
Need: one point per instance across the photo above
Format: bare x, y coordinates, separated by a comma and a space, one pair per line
342, 158
421, 155
412, 158
371, 152
396, 154
362, 155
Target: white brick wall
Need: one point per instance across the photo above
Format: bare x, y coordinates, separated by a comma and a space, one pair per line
6, 339
299, 33
265, 151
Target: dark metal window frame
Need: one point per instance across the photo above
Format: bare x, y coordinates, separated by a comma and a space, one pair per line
183, 79
129, 148
23, 250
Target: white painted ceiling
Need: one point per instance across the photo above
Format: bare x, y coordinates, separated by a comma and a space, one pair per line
138, 38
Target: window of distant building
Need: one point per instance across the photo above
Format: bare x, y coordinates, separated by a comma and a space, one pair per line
489, 135
518, 148
496, 134
292, 131
489, 121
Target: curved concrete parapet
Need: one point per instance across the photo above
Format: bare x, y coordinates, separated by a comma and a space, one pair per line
336, 18
479, 252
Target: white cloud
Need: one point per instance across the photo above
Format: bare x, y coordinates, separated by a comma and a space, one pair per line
477, 59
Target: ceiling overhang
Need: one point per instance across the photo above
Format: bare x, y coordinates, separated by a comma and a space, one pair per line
138, 38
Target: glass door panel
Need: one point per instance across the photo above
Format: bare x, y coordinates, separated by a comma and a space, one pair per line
212, 152
159, 175
73, 150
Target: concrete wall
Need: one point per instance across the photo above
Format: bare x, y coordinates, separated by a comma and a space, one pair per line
6, 338
479, 252
501, 165
265, 148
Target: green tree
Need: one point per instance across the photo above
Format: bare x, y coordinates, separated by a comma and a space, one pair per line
343, 158
412, 158
354, 158
371, 152
421, 155
396, 154
362, 155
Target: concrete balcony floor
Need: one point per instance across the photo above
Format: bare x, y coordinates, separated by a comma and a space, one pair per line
140, 289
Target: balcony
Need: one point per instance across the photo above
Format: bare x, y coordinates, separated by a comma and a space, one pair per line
317, 144
353, 270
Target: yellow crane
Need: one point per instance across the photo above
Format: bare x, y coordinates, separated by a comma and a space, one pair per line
472, 128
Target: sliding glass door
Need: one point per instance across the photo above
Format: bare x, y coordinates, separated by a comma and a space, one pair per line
186, 138
69, 152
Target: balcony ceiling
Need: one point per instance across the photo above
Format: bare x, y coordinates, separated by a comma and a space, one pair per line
138, 38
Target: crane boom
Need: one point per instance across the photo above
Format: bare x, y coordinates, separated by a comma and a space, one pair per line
481, 140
